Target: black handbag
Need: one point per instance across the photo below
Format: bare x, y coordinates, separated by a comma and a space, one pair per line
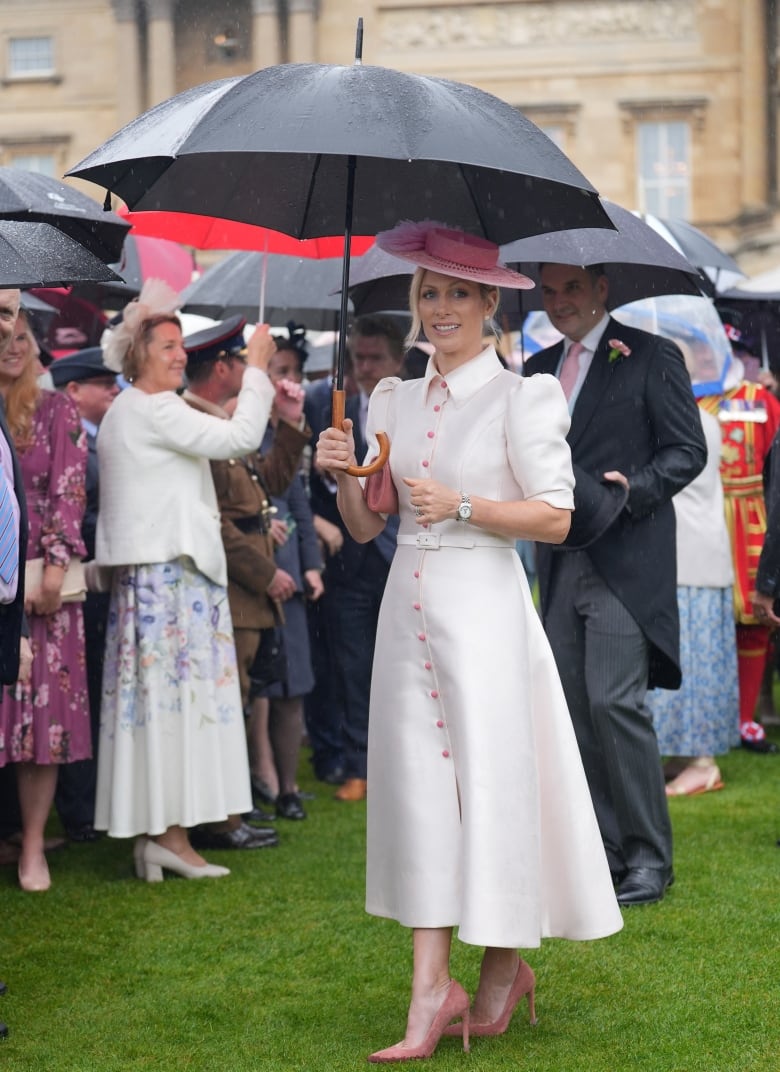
269, 665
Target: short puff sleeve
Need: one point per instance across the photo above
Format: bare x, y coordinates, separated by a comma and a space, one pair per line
381, 415
537, 422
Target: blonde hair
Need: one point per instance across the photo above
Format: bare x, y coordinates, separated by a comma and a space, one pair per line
488, 292
24, 392
135, 358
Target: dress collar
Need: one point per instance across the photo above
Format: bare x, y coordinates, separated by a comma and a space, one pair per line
465, 380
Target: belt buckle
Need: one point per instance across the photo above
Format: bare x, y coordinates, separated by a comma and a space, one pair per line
428, 541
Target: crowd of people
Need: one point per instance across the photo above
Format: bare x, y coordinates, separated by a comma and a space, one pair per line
192, 585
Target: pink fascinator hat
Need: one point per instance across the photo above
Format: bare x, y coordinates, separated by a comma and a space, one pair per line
443, 249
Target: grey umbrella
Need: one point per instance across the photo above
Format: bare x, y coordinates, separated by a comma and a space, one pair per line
638, 262
294, 288
39, 255
318, 149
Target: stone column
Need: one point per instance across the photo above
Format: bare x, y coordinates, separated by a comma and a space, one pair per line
301, 31
161, 54
266, 37
130, 99
754, 171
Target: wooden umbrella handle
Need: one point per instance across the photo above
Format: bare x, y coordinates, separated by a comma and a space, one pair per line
337, 420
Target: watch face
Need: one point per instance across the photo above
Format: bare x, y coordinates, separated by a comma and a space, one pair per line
464, 511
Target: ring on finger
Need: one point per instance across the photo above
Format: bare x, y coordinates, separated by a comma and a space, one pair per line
418, 511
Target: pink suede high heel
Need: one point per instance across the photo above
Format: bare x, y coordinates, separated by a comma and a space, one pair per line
456, 1003
524, 983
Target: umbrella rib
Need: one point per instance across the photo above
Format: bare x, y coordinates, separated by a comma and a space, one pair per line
473, 200
309, 196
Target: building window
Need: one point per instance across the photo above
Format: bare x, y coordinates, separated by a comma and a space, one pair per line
42, 163
30, 57
664, 169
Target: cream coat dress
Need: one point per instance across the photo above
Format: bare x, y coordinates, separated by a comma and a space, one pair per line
479, 814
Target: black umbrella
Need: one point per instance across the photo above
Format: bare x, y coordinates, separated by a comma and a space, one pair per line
39, 255
756, 313
316, 150
294, 288
29, 197
719, 267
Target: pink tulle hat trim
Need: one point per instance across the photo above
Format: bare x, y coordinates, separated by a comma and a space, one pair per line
443, 249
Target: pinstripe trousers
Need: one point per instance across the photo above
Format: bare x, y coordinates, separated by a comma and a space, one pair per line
602, 657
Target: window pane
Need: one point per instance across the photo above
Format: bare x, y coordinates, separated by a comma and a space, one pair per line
31, 55
664, 169
43, 163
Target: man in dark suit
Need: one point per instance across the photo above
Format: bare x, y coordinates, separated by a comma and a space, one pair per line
609, 592
92, 387
355, 576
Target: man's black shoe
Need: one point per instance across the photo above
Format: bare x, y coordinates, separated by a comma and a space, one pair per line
243, 837
87, 832
644, 885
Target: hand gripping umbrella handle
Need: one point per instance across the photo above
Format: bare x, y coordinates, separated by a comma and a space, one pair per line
337, 419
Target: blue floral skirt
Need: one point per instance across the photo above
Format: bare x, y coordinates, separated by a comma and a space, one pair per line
172, 736
702, 717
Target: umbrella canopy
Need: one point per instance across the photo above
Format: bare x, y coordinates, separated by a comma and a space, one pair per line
273, 148
76, 324
638, 262
211, 232
756, 313
34, 198
315, 150
693, 323
294, 288
38, 254
142, 258
721, 269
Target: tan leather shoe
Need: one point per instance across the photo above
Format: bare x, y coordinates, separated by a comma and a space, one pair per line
352, 789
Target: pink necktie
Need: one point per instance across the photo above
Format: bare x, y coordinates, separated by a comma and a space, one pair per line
570, 369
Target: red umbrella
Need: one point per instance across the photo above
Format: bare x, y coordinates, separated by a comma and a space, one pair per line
210, 232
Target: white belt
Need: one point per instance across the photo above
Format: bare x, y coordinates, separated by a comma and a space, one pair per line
432, 541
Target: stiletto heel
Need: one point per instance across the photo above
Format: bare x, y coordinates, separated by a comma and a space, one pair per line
153, 857
455, 1004
524, 983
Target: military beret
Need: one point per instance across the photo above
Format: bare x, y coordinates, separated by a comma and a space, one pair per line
222, 340
83, 365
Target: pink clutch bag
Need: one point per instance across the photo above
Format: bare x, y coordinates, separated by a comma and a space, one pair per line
379, 492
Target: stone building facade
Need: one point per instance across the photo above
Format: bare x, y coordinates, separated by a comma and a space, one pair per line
666, 105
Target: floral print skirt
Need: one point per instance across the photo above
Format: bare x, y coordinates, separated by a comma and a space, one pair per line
701, 718
47, 720
172, 736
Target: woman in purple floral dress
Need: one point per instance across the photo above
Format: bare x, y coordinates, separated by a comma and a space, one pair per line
45, 722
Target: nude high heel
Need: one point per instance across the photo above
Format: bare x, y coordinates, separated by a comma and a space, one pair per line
524, 983
151, 858
138, 857
456, 1003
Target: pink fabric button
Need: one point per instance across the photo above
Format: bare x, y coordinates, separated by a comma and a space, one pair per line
417, 573
430, 435
434, 694
446, 754
444, 384
439, 723
428, 666
436, 409
425, 464
421, 636
425, 525
416, 606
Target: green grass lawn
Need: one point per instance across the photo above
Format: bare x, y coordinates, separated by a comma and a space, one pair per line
277, 967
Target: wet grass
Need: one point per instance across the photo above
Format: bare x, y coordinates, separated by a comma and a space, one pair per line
277, 967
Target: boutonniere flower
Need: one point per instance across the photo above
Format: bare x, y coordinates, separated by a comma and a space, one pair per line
618, 349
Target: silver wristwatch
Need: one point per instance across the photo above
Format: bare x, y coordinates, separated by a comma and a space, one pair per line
464, 510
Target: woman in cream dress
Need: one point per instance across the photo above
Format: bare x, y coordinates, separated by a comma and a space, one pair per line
479, 815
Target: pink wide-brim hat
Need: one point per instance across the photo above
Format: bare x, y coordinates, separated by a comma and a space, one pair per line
442, 249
